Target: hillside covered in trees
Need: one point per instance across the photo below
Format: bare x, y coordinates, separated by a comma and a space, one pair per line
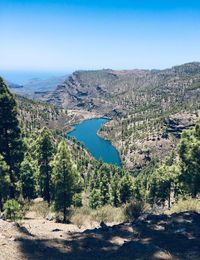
40, 149
38, 162
141, 104
125, 91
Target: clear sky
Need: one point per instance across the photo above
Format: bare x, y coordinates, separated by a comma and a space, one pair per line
65, 35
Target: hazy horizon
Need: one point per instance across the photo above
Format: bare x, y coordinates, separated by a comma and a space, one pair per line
23, 76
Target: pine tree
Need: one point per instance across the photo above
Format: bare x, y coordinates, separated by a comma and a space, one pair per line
27, 177
44, 155
102, 182
105, 189
4, 182
126, 188
115, 190
162, 182
95, 199
66, 179
11, 147
189, 152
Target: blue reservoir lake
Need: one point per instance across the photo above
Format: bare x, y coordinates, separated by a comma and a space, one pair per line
86, 133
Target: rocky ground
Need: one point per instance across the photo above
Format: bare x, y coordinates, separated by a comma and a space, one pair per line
150, 237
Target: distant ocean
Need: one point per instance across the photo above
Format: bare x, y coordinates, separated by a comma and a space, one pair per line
22, 77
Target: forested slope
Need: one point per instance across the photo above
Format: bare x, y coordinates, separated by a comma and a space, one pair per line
134, 90
42, 171
140, 102
35, 115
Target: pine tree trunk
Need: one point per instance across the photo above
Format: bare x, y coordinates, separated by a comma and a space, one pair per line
194, 191
64, 215
12, 185
8, 161
65, 196
169, 196
1, 203
47, 184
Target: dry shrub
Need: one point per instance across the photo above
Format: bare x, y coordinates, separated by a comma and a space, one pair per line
25, 207
134, 209
86, 216
108, 214
185, 205
80, 216
40, 208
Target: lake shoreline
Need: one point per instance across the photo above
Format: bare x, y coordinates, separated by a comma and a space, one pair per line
91, 118
114, 144
113, 156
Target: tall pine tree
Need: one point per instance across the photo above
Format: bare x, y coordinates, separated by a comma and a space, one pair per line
44, 154
126, 188
66, 179
4, 182
189, 152
11, 146
27, 177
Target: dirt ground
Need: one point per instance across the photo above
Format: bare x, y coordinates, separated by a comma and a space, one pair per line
150, 237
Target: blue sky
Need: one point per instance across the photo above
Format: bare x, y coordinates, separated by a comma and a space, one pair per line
65, 35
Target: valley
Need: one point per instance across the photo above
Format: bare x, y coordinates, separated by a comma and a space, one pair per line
155, 132
99, 130
139, 103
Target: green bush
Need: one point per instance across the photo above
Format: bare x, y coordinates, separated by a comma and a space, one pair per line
77, 200
95, 199
12, 210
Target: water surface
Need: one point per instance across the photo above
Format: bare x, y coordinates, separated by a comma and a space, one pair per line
86, 132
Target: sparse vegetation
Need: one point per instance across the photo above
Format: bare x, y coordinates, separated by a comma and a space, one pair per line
48, 170
108, 214
86, 216
186, 204
41, 208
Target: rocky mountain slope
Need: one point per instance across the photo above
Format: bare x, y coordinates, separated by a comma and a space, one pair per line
139, 103
123, 90
149, 108
34, 115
